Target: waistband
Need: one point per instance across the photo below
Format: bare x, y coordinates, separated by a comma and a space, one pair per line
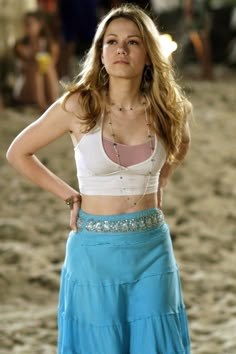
119, 223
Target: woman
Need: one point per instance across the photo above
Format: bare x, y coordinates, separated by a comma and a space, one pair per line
37, 55
120, 290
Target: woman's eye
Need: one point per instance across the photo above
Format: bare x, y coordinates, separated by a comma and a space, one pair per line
111, 41
114, 42
133, 42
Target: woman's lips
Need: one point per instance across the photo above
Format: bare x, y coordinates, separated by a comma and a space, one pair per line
121, 62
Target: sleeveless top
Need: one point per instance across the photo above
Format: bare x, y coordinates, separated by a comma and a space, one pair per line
99, 175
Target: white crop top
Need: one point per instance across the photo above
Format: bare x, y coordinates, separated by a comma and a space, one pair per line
99, 175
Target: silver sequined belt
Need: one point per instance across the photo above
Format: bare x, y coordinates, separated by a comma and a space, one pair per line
138, 223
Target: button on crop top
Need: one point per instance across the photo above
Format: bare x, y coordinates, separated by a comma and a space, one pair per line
99, 175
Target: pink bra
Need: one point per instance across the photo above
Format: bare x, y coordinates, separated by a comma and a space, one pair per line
129, 154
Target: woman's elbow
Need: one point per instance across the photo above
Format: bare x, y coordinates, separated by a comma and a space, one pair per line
187, 141
11, 155
14, 155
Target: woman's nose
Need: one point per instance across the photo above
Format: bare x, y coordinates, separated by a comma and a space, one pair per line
121, 50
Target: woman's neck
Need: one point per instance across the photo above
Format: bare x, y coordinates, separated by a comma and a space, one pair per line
124, 93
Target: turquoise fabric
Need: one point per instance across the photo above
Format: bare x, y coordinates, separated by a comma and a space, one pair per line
121, 294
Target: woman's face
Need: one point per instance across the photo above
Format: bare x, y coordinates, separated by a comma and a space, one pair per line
123, 53
32, 26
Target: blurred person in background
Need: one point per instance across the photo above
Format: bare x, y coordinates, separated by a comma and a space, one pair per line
50, 13
37, 55
129, 124
78, 21
197, 21
168, 14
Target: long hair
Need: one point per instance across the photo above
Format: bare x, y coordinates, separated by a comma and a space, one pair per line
167, 103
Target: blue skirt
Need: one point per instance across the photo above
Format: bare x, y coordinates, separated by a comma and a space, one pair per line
120, 291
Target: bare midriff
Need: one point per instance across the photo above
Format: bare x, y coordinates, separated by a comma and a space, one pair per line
112, 205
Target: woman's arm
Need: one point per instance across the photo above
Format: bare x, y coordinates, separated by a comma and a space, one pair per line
24, 52
54, 123
54, 51
168, 169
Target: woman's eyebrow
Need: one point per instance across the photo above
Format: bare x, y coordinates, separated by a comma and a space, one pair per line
130, 35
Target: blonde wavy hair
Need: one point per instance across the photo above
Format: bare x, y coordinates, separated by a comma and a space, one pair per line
167, 103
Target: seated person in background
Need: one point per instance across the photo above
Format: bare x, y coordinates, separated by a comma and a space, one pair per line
37, 55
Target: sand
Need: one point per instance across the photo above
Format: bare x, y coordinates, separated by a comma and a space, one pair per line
199, 204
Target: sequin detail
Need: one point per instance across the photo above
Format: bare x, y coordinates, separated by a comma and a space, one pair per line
127, 225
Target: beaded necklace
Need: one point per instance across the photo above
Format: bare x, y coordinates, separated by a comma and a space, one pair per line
120, 108
117, 153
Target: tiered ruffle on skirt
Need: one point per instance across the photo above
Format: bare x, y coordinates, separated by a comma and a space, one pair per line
120, 293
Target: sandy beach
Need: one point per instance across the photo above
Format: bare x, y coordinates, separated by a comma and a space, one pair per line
199, 204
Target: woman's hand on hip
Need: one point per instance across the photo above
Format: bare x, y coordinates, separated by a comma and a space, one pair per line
74, 210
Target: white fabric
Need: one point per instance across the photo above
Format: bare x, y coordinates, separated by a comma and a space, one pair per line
99, 175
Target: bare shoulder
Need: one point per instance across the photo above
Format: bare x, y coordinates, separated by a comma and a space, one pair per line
62, 115
51, 125
55, 116
71, 103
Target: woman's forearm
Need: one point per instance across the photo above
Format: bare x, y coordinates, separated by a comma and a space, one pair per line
36, 172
